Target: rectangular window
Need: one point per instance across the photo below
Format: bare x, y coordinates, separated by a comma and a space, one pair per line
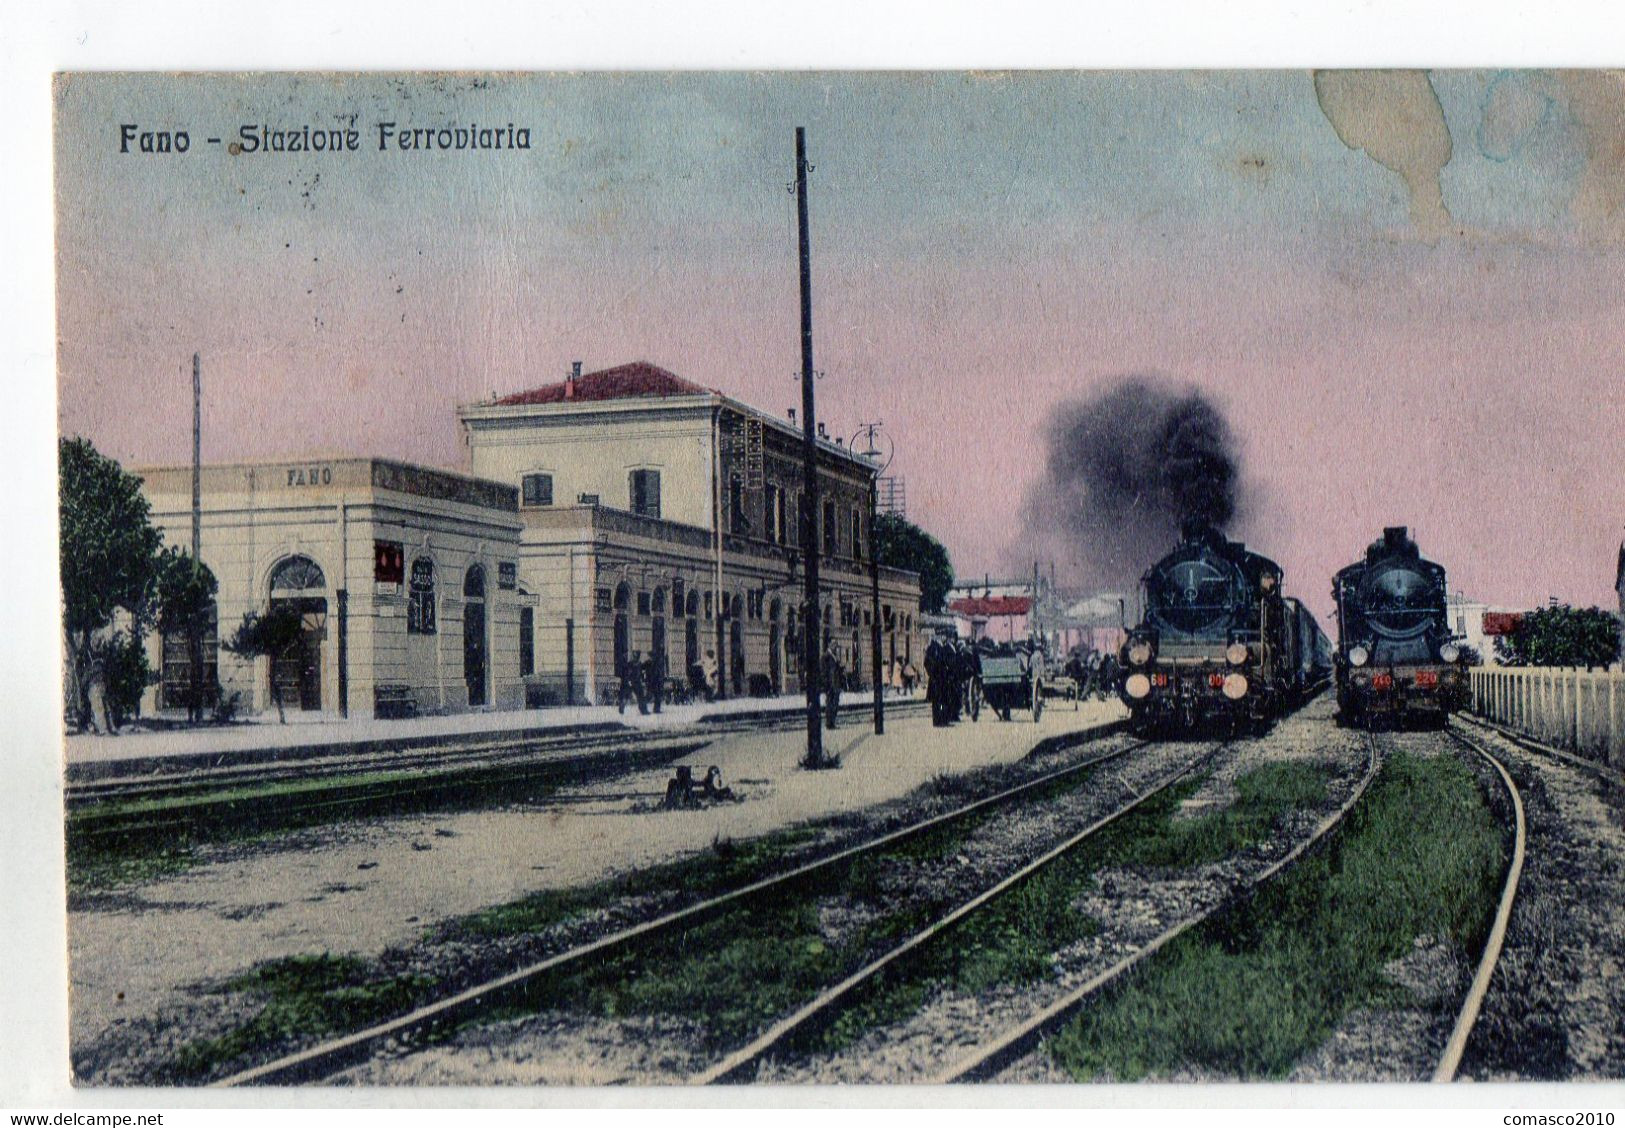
677, 594
799, 534
643, 603
857, 534
507, 575
775, 514
738, 519
527, 641
536, 490
177, 665
645, 491
832, 533
604, 600
388, 562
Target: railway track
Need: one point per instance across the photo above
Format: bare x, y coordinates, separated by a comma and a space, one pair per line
993, 1056
329, 1057
1450, 1062
125, 813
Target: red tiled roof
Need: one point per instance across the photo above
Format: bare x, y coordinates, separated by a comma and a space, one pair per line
1501, 622
991, 606
627, 381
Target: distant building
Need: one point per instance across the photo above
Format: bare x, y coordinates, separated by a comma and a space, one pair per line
1467, 624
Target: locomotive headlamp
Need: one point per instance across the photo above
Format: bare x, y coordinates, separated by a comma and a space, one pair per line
1268, 582
1139, 652
1359, 655
1449, 652
1236, 653
1235, 686
1137, 686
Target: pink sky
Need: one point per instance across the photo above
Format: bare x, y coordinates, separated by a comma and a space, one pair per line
984, 248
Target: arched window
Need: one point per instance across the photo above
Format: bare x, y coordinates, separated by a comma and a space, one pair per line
660, 601
297, 576
623, 596
693, 606
420, 598
474, 583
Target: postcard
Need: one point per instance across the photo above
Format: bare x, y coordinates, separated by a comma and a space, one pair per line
1036, 578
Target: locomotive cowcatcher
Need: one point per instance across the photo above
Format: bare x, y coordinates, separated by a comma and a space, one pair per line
1397, 659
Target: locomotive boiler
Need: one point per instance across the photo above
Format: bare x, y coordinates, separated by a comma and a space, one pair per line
1218, 643
1396, 657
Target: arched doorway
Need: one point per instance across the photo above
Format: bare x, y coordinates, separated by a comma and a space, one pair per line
298, 585
657, 641
474, 647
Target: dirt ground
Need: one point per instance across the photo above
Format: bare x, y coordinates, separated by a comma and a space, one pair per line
361, 887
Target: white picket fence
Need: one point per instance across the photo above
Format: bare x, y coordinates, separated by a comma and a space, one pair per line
1577, 710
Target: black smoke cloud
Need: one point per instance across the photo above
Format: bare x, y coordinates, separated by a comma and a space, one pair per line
1123, 471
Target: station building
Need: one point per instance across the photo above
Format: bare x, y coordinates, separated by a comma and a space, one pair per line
621, 512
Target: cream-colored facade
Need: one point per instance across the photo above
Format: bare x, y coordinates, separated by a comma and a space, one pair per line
341, 541
630, 513
608, 560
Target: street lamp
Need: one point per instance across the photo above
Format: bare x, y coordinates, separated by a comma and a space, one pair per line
879, 460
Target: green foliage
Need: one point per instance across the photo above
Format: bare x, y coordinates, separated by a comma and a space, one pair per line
269, 635
109, 549
899, 543
185, 592
123, 658
1561, 636
1255, 990
108, 559
304, 996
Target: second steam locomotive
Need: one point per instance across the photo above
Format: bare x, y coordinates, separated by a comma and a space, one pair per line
1396, 657
1218, 642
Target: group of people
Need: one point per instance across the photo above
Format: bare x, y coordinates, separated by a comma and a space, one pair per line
642, 680
1095, 673
951, 670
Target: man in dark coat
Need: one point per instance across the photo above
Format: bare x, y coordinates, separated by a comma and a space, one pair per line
833, 677
632, 684
654, 679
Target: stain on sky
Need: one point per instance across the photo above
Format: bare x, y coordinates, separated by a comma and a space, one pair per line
1396, 119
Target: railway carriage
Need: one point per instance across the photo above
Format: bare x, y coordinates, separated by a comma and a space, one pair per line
1218, 642
1396, 657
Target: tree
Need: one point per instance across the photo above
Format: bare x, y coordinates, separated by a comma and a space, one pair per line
109, 553
1561, 636
272, 635
899, 543
185, 603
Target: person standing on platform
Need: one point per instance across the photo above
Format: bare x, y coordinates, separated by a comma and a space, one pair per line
709, 670
833, 677
632, 684
654, 679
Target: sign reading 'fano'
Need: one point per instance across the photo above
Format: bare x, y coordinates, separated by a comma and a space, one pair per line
314, 475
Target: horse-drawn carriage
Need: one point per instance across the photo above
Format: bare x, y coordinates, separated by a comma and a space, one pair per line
1013, 681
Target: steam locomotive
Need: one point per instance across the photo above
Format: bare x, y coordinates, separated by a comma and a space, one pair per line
1218, 642
1396, 657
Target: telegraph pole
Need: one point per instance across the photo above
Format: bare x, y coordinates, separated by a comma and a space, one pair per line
812, 617
871, 452
194, 635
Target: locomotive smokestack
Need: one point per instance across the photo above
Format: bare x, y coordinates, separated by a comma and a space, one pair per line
1126, 472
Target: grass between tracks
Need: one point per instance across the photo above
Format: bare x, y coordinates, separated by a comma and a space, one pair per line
1015, 939
1252, 992
737, 970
